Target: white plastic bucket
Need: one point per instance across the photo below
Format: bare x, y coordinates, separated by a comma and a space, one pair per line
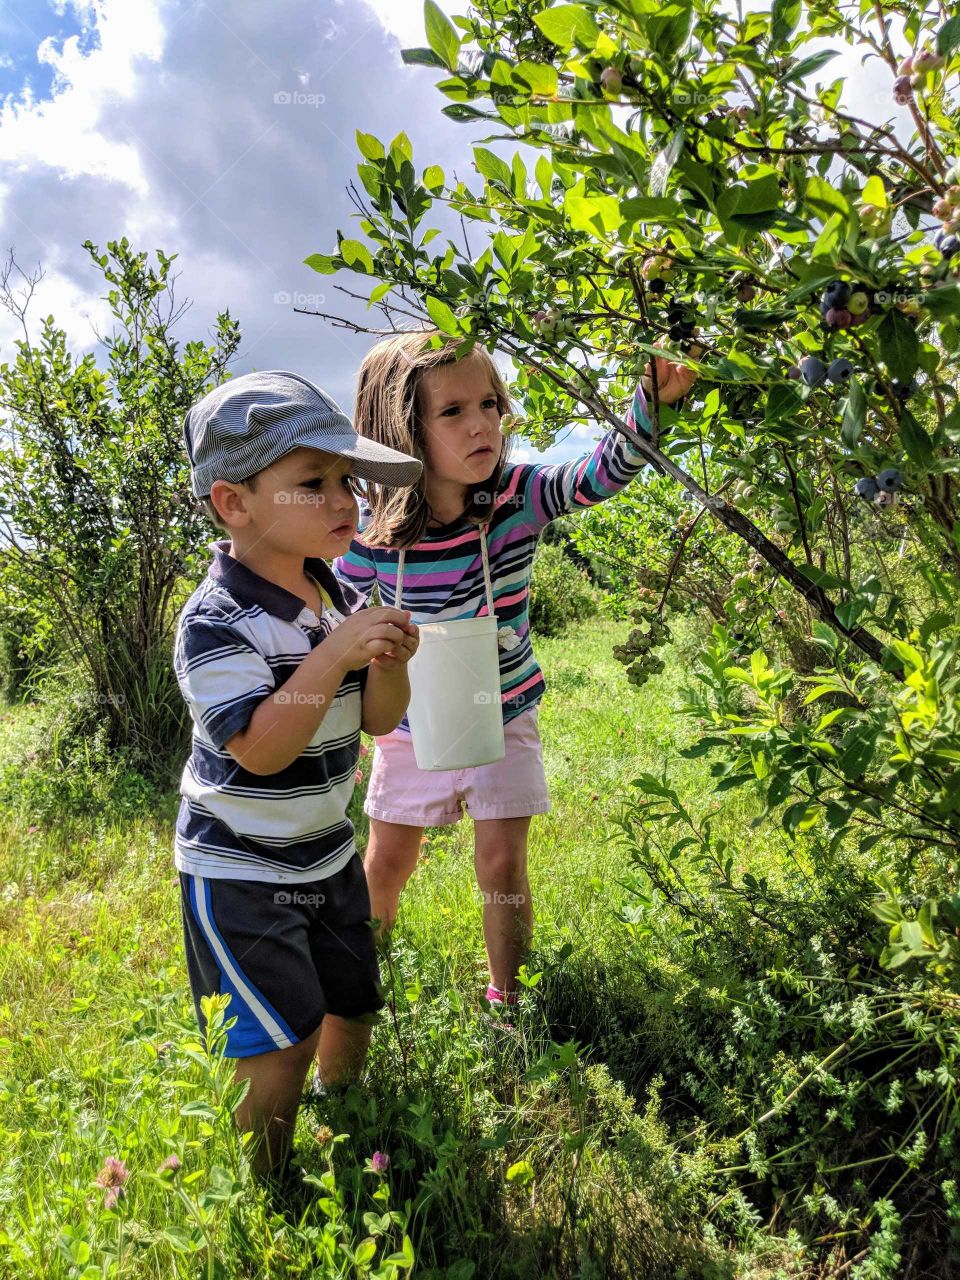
454, 714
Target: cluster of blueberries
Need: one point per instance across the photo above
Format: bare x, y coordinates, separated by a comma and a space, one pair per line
682, 322
881, 489
841, 307
814, 371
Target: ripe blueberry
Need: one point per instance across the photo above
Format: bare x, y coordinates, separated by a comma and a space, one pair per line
813, 370
867, 488
840, 370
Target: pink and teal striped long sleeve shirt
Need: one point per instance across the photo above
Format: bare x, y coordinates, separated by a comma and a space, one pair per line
443, 573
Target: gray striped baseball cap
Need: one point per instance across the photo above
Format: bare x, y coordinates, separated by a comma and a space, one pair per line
248, 422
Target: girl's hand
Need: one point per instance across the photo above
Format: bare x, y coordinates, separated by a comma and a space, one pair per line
673, 380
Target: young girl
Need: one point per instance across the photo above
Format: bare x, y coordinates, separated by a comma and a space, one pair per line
417, 399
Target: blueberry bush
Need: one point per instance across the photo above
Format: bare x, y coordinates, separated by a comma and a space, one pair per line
684, 180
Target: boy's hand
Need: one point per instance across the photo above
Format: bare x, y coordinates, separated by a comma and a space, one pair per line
371, 633
673, 380
401, 653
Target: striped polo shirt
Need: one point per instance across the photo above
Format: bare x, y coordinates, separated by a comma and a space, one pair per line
443, 574
239, 637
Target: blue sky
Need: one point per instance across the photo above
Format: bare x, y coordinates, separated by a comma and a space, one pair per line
171, 122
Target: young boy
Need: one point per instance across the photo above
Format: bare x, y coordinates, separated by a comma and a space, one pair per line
281, 666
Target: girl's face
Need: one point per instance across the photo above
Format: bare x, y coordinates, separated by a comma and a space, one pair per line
461, 422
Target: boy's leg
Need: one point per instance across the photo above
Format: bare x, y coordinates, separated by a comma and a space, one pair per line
269, 1110
342, 1048
392, 852
500, 857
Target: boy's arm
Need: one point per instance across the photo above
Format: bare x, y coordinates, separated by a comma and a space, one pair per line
230, 690
283, 725
385, 699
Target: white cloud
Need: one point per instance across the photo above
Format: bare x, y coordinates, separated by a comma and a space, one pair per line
63, 131
404, 18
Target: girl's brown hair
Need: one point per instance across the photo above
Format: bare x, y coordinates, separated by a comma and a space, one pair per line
389, 409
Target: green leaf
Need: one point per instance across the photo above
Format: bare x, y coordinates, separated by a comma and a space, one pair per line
809, 65
854, 414
441, 34
668, 27
491, 166
442, 316
568, 24
651, 209
874, 192
948, 37
521, 1171
465, 114
422, 58
825, 245
782, 400
323, 263
597, 215
370, 147
760, 196
354, 251
942, 302
899, 345
433, 177
824, 199
917, 445
783, 21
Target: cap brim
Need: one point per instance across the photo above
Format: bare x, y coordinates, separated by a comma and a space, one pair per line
371, 461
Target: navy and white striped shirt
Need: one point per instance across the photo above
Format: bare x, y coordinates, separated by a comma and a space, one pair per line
240, 637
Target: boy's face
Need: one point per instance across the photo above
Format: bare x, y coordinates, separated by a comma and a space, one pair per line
302, 504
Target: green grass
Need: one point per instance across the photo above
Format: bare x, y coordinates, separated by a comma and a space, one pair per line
521, 1155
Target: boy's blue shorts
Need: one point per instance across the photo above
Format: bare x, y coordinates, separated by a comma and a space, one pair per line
286, 954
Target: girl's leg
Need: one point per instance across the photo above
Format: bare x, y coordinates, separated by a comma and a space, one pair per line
500, 857
391, 857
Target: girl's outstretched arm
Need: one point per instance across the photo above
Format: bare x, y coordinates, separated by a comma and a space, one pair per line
566, 487
553, 491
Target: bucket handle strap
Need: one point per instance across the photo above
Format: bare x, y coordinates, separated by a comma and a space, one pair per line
486, 573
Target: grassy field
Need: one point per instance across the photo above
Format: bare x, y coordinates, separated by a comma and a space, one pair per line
542, 1153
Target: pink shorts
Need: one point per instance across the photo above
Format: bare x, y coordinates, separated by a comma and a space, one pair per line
514, 787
